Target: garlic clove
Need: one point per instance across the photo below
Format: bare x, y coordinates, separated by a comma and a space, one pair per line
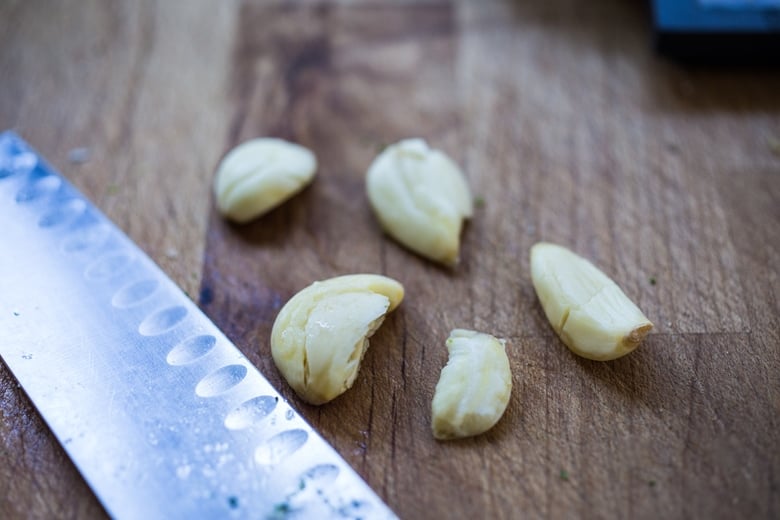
260, 174
587, 310
337, 333
474, 387
320, 335
421, 198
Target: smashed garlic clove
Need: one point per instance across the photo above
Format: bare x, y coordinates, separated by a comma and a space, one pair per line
320, 336
260, 174
589, 312
474, 387
421, 198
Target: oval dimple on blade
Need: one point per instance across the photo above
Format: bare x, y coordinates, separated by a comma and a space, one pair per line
280, 446
191, 349
135, 293
221, 380
86, 236
66, 211
107, 266
46, 185
251, 412
14, 159
162, 321
320, 475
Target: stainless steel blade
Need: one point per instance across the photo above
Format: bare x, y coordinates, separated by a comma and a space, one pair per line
160, 412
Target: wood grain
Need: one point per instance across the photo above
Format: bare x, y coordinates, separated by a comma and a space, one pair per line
568, 127
135, 85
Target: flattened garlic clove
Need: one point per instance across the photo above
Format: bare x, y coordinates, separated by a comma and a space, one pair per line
474, 387
589, 312
320, 336
421, 198
260, 174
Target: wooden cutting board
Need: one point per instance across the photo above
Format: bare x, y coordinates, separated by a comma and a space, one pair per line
569, 129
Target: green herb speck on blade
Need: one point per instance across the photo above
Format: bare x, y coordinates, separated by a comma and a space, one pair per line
479, 202
281, 510
652, 280
564, 475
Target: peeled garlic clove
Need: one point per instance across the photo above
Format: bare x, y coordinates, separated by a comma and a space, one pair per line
421, 198
590, 313
320, 336
474, 387
260, 174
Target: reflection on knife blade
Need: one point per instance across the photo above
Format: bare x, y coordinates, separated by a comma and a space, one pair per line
161, 413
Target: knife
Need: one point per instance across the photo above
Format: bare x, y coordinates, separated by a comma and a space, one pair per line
162, 415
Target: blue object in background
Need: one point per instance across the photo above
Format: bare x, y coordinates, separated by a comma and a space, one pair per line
718, 31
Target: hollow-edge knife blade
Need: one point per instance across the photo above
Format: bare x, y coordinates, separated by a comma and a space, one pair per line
160, 412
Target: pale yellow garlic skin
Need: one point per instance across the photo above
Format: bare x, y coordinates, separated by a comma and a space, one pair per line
588, 311
421, 198
259, 175
474, 387
321, 334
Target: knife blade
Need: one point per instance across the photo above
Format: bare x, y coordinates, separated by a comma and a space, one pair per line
162, 414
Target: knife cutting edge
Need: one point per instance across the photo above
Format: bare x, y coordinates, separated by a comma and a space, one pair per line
160, 412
